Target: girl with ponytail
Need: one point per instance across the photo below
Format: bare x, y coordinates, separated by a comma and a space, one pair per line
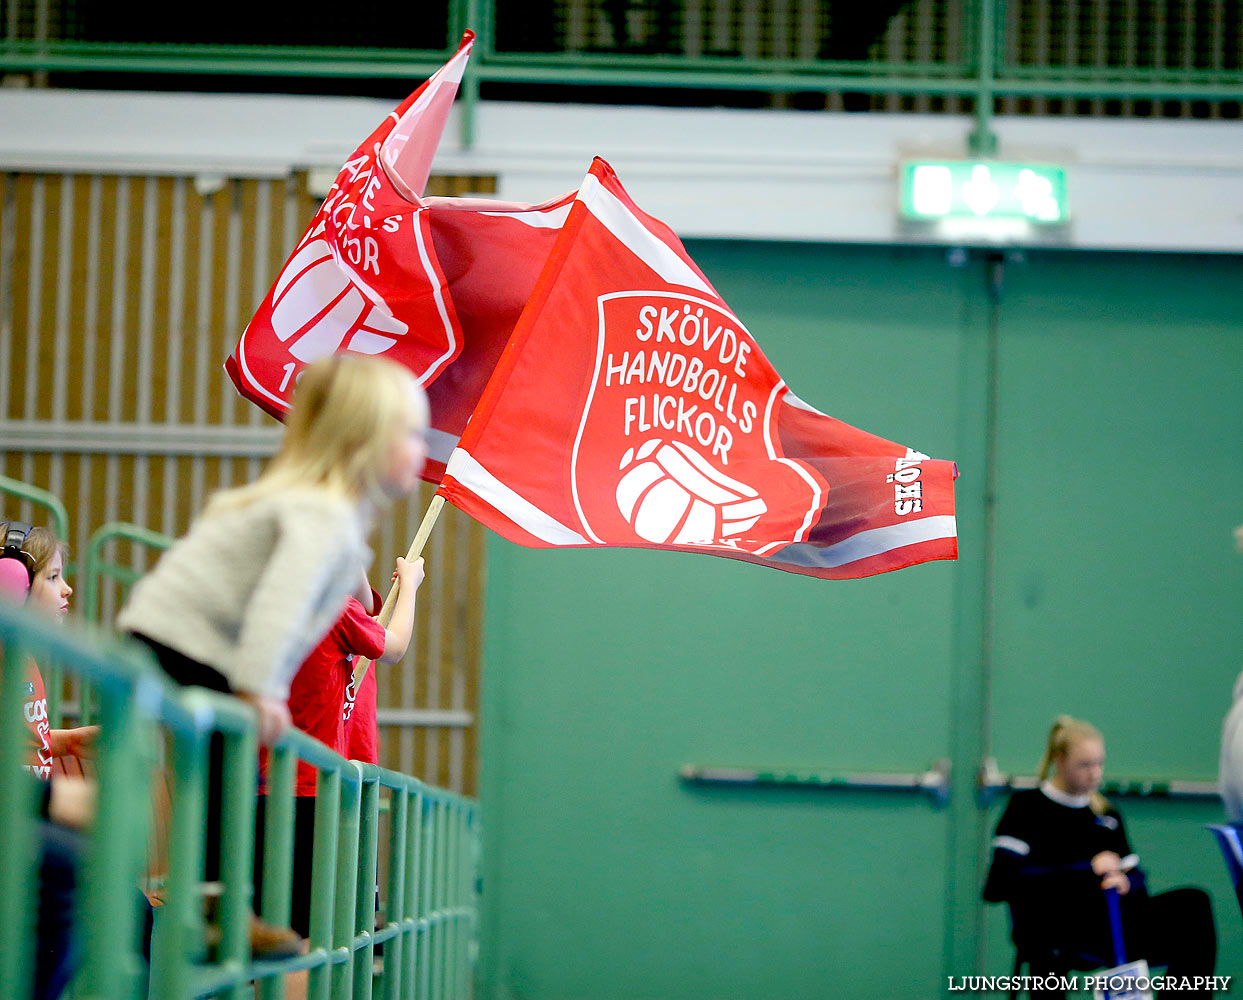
1060, 846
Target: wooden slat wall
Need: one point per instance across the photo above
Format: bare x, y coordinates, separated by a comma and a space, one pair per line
120, 297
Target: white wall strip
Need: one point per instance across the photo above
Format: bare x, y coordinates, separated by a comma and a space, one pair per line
139, 439
424, 717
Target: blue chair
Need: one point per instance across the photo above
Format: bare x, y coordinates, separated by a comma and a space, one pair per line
1230, 840
1069, 961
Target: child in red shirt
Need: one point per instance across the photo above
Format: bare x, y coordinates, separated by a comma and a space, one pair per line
32, 573
317, 700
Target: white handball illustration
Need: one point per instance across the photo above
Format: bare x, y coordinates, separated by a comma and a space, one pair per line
317, 305
670, 494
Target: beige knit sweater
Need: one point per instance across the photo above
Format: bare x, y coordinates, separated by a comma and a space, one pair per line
251, 591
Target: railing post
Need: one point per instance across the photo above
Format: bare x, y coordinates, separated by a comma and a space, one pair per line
324, 876
476, 861
237, 844
278, 847
118, 847
364, 919
179, 922
19, 862
396, 898
419, 987
347, 887
983, 141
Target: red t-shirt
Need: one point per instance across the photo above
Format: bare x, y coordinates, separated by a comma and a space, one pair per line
34, 710
317, 692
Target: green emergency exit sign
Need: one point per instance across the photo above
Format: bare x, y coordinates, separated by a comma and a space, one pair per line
966, 189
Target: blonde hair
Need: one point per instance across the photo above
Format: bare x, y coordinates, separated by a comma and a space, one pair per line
43, 544
347, 410
1065, 733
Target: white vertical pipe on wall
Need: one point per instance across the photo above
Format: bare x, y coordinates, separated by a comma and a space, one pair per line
260, 279
34, 318
118, 335
141, 468
431, 668
90, 344
458, 609
202, 335
64, 283
291, 221
232, 300
8, 247
173, 337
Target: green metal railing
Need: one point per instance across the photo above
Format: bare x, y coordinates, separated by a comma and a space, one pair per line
95, 568
429, 893
975, 49
56, 512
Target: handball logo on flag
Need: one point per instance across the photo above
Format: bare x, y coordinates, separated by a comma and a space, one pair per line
364, 278
676, 418
318, 309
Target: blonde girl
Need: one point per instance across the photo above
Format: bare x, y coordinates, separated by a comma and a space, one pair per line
238, 603
1060, 846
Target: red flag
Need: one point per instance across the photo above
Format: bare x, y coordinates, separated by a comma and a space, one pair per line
364, 277
491, 253
437, 284
631, 407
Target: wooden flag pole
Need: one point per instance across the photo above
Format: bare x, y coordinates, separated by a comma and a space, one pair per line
416, 549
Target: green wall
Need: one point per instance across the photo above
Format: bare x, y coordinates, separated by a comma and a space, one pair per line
1117, 598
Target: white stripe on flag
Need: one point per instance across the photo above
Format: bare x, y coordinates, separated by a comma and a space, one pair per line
463, 467
619, 221
440, 445
872, 542
432, 370
553, 219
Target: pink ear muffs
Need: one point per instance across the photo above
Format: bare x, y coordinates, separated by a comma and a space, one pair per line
14, 581
14, 538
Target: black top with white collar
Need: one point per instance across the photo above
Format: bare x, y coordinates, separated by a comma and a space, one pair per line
1042, 858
